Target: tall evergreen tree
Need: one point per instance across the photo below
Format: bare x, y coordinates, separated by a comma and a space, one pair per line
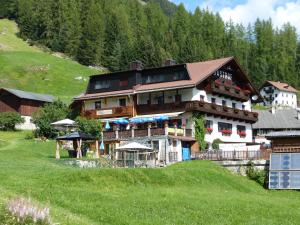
92, 40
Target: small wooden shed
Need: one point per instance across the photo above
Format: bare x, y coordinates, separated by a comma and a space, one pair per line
23, 102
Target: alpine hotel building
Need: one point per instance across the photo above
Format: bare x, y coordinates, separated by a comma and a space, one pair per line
158, 104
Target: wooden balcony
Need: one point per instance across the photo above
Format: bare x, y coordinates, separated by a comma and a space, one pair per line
138, 133
222, 111
109, 112
229, 91
201, 106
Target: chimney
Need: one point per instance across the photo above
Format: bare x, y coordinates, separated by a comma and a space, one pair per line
298, 113
170, 62
136, 65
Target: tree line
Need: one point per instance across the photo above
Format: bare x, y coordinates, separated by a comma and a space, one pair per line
111, 33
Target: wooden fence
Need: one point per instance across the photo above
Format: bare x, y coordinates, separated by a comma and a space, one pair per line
231, 155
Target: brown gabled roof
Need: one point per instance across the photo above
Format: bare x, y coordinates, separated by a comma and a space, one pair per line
199, 71
282, 86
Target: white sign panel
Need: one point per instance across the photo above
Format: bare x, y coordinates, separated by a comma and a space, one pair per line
104, 112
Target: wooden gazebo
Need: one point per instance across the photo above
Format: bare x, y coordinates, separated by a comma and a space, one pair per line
77, 138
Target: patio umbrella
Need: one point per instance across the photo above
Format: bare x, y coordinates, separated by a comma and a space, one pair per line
161, 118
133, 146
107, 126
121, 121
102, 146
136, 120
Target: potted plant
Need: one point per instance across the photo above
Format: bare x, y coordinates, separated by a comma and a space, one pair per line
217, 83
209, 130
242, 133
226, 132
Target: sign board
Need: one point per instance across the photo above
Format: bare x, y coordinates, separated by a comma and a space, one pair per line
104, 112
284, 172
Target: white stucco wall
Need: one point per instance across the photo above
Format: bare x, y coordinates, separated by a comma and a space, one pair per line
234, 137
106, 103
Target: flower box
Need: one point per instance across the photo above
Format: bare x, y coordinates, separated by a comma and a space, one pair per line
236, 110
242, 133
226, 132
209, 130
217, 84
225, 108
213, 106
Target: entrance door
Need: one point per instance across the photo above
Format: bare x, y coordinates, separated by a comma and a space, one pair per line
186, 151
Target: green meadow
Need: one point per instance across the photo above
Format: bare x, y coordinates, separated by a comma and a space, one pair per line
29, 68
195, 192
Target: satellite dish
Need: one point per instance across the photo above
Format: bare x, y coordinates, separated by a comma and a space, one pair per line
254, 97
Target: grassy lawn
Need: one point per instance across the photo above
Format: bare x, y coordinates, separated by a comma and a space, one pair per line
28, 68
197, 192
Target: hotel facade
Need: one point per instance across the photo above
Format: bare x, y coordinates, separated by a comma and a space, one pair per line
156, 106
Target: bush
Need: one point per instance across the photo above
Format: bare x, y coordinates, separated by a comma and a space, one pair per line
48, 114
29, 135
91, 127
260, 176
215, 144
9, 120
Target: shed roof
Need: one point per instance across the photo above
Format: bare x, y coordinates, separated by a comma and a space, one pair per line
30, 95
74, 136
281, 119
283, 134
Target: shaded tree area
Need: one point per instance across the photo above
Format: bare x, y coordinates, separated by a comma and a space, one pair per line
111, 33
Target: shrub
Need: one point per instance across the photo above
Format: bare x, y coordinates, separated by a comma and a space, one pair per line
91, 127
9, 120
29, 135
200, 130
51, 112
215, 144
21, 211
260, 176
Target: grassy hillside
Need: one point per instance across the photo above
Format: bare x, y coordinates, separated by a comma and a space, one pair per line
197, 192
28, 68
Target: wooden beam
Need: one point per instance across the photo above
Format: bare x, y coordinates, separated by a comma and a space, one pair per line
57, 155
97, 150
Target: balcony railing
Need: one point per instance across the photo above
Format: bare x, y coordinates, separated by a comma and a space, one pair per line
228, 90
127, 134
160, 108
222, 111
109, 112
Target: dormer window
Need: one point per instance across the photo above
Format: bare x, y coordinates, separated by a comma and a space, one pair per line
101, 84
123, 82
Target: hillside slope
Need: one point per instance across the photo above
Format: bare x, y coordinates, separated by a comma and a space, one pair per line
196, 192
29, 68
